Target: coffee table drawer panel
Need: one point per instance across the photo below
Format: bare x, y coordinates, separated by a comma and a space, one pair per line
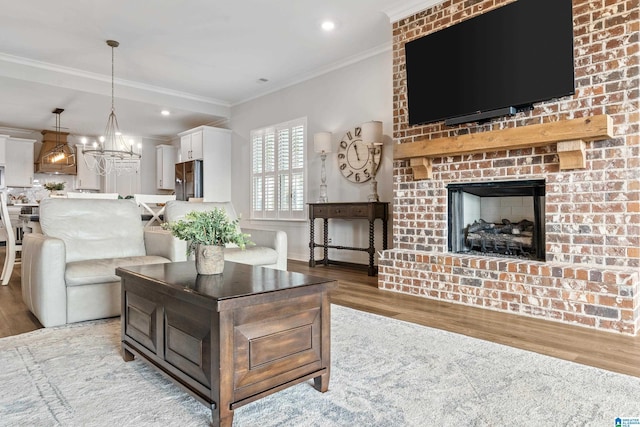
269, 348
274, 350
187, 342
140, 318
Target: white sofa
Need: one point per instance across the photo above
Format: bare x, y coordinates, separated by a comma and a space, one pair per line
270, 249
68, 271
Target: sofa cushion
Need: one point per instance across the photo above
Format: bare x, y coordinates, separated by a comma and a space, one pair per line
94, 228
96, 271
252, 255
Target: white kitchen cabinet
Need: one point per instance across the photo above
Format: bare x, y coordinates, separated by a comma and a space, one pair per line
165, 167
86, 179
19, 162
191, 144
215, 146
125, 184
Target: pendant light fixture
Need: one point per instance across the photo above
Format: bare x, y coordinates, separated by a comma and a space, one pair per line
61, 155
111, 153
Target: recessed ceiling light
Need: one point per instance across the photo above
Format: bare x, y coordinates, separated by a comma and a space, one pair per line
165, 112
328, 25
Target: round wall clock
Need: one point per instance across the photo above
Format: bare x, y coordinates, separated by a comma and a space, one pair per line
354, 157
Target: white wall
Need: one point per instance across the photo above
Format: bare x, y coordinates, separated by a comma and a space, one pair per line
335, 102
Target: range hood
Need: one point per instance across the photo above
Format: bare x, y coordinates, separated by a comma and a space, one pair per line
50, 139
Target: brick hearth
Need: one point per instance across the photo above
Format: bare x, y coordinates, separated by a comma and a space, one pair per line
591, 271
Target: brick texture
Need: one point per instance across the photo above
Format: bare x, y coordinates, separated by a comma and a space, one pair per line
590, 276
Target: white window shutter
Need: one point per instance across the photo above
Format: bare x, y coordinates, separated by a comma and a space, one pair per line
278, 177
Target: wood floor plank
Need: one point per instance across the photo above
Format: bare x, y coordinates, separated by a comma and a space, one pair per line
15, 317
605, 350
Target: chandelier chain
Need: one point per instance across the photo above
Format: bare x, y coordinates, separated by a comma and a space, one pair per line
113, 153
113, 73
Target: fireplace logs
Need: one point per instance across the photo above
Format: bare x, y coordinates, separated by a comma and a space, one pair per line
475, 210
507, 238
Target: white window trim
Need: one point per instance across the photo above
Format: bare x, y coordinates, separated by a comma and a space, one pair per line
276, 214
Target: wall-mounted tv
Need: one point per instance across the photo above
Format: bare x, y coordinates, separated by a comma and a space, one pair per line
493, 64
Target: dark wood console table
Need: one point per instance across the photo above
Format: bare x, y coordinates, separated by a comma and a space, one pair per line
227, 339
349, 210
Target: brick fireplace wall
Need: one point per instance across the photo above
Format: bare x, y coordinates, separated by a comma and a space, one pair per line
590, 276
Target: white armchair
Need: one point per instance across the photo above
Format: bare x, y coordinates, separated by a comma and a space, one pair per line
270, 248
68, 271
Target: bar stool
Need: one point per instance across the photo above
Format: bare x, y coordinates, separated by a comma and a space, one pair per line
12, 247
143, 200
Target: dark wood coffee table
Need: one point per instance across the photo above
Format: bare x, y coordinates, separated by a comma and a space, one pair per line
227, 339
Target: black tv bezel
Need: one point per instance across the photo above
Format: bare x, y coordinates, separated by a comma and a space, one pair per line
498, 109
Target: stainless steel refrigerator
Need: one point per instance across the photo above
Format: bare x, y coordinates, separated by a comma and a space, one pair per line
189, 180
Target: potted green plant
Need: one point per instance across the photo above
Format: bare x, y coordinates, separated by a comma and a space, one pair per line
54, 187
206, 234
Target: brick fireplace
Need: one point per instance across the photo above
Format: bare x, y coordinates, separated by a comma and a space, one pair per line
589, 274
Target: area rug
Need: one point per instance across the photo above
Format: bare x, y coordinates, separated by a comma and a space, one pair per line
385, 372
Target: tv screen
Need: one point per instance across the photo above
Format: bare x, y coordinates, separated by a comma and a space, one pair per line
513, 56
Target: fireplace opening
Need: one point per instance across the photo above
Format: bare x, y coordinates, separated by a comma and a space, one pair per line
503, 218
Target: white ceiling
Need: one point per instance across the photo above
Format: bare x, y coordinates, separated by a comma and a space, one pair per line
195, 58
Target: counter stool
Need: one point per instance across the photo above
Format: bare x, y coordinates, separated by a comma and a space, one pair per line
12, 247
143, 200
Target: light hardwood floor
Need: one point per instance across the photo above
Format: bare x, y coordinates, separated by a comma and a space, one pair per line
604, 350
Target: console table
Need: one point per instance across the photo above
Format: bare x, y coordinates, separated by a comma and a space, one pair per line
228, 339
347, 210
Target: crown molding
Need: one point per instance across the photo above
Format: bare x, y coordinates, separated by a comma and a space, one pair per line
10, 131
404, 9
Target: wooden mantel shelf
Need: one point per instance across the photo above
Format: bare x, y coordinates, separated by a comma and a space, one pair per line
571, 136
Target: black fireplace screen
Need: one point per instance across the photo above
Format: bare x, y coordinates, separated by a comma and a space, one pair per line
497, 218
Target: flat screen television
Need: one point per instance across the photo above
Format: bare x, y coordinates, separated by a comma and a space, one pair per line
493, 64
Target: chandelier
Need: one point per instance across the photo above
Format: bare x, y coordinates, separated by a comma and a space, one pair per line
61, 154
111, 153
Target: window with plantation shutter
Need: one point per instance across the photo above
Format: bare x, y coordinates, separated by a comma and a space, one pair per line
277, 172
